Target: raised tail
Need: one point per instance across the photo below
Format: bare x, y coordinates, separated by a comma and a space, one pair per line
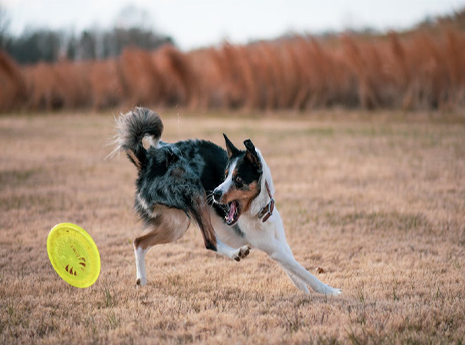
132, 127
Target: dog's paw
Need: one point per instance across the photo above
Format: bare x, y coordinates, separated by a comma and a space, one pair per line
332, 291
241, 253
141, 282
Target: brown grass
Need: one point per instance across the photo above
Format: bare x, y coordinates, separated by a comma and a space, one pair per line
377, 202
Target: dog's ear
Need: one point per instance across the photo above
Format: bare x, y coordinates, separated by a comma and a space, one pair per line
251, 155
230, 148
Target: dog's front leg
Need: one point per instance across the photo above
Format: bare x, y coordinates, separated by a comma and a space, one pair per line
201, 213
234, 254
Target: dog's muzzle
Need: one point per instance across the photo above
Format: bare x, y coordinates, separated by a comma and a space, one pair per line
217, 194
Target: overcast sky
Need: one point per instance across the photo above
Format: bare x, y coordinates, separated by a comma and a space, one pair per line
196, 23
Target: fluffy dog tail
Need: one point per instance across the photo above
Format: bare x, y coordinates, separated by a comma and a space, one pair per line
131, 128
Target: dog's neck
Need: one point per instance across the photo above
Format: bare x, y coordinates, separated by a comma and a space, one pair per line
266, 189
267, 211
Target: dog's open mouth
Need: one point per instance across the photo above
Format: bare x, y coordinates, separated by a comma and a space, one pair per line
233, 214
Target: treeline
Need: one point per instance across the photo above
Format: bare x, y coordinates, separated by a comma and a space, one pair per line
39, 45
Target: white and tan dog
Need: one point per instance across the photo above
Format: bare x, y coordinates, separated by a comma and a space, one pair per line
248, 191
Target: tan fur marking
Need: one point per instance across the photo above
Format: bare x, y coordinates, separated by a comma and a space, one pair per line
168, 226
244, 197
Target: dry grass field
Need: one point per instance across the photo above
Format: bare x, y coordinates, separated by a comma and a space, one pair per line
376, 200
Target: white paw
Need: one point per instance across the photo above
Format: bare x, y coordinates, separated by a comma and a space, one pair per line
332, 291
241, 253
141, 282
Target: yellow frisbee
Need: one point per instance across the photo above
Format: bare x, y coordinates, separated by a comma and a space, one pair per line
73, 255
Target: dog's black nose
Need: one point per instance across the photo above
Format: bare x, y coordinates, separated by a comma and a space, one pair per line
217, 194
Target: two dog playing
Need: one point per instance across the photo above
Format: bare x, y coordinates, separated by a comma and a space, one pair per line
229, 194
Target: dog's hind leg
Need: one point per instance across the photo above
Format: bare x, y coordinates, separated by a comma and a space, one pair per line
290, 265
167, 225
273, 242
299, 284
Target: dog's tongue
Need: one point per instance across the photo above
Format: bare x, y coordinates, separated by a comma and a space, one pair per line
232, 212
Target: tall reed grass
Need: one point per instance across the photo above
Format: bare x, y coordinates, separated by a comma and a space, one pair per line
416, 71
12, 84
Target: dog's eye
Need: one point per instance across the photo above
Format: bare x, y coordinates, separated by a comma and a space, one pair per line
238, 180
